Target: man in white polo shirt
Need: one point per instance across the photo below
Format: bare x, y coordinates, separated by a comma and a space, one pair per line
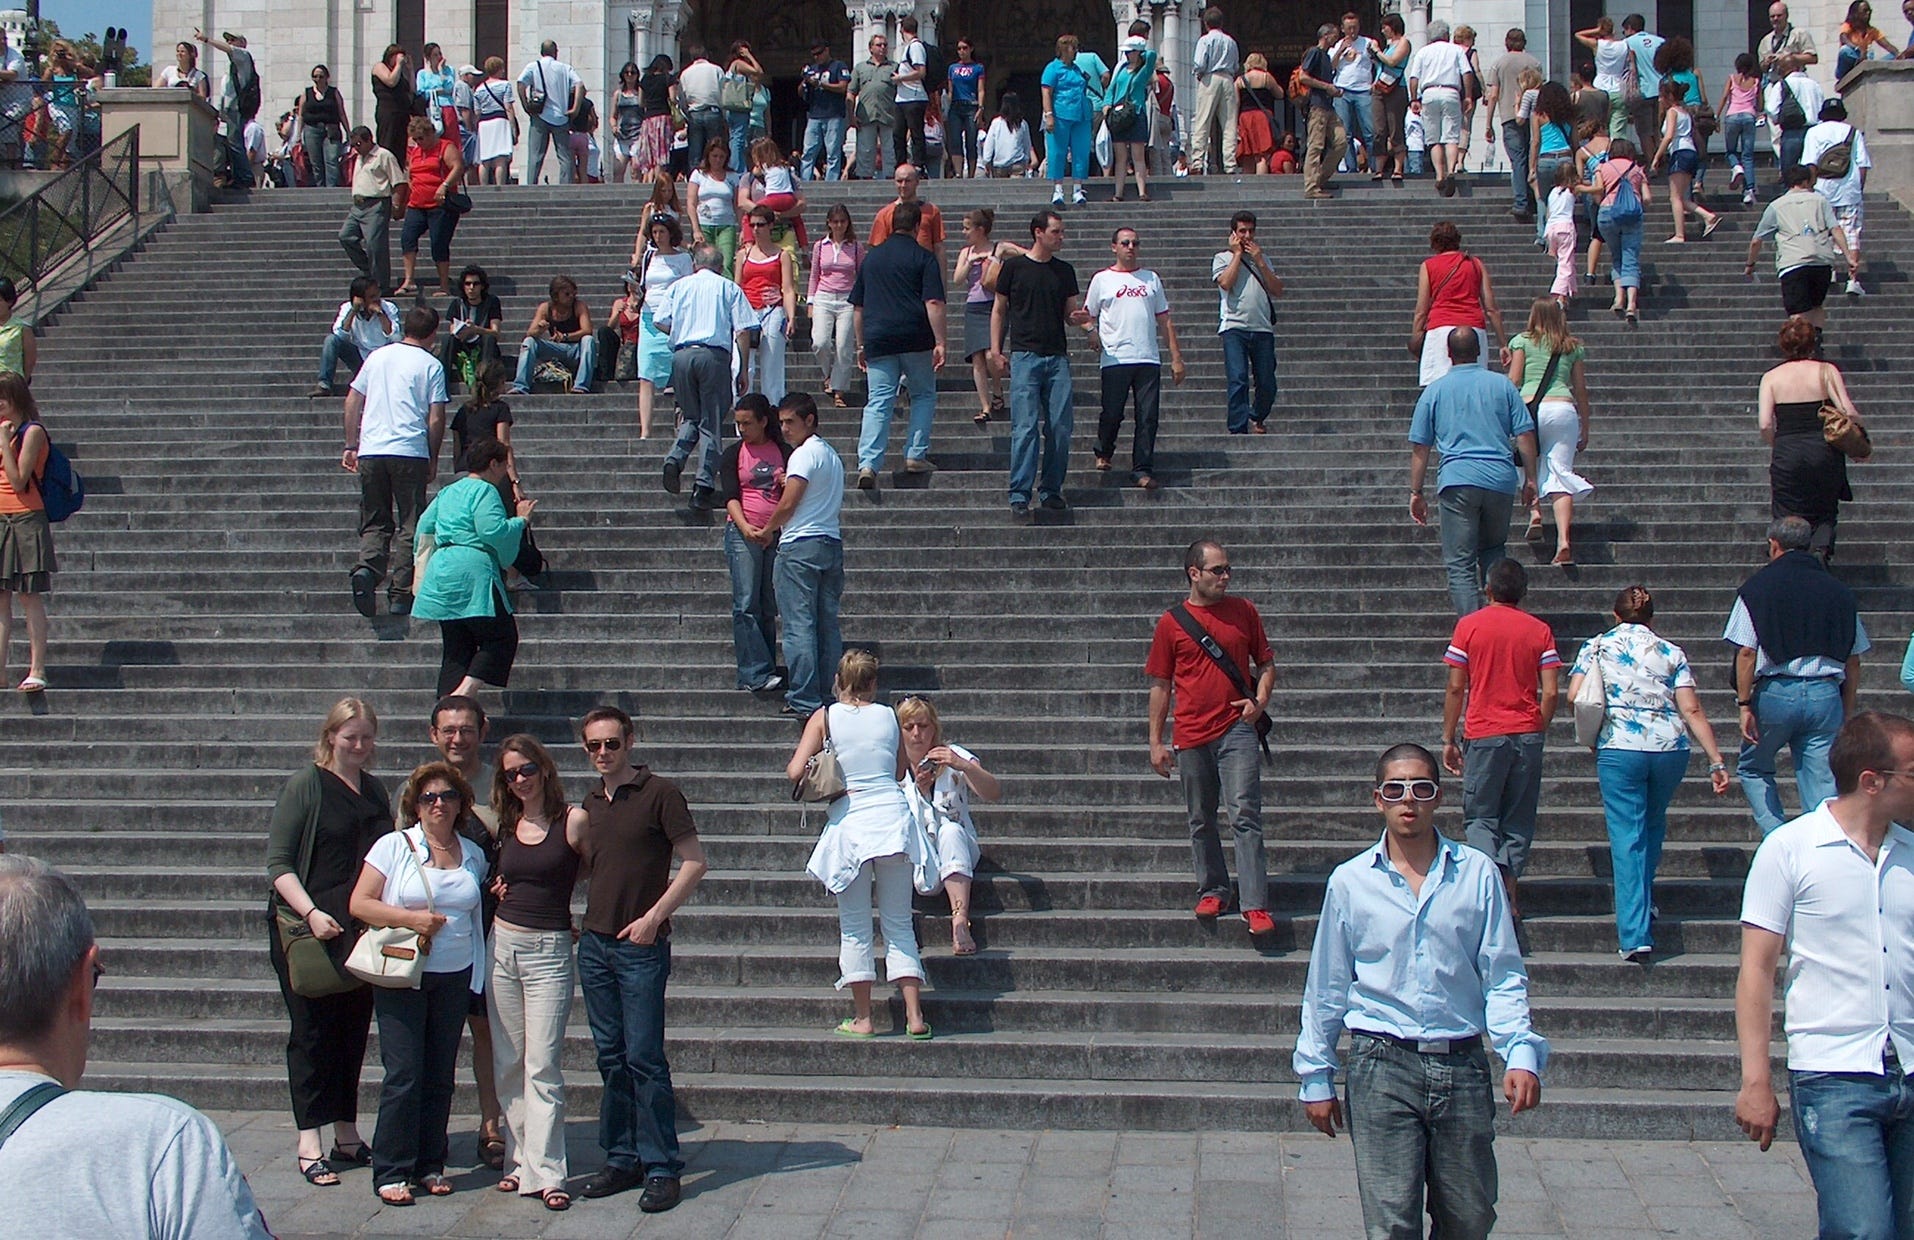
395, 422
1835, 887
1438, 80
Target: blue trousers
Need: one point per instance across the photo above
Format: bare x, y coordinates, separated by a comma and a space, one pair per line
1637, 786
338, 347
1624, 238
1353, 110
809, 579
580, 355
1247, 355
1802, 715
1515, 141
624, 988
754, 606
1067, 140
823, 136
1041, 419
885, 374
1738, 135
1475, 532
1856, 1131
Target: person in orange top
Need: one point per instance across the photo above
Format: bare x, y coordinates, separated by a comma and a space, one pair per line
930, 225
436, 169
26, 540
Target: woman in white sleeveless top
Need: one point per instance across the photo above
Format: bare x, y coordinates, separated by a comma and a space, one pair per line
864, 846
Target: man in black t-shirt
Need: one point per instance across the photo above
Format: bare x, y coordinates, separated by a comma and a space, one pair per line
1037, 296
1328, 140
822, 87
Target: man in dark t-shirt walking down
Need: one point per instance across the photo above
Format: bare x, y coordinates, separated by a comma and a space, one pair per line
1037, 296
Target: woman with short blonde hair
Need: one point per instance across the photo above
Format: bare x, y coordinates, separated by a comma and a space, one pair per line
939, 783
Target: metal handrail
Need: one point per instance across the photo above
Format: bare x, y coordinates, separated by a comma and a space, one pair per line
64, 218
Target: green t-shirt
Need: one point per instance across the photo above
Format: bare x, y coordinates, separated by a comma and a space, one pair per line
1535, 355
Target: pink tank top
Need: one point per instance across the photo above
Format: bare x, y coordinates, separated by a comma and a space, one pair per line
1741, 98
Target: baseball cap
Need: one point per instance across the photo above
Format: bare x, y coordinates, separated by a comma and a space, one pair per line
1135, 44
471, 71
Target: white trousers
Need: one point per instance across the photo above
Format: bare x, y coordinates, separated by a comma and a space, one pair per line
890, 878
528, 999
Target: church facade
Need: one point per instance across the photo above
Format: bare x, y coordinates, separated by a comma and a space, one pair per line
1015, 38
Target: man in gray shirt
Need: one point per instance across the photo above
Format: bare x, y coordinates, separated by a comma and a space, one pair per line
873, 103
76, 1162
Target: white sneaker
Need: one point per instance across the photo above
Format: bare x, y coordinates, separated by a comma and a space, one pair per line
1748, 198
1855, 289
1079, 198
1735, 179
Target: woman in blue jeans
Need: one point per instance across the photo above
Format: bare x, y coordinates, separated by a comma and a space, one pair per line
1641, 753
751, 480
1620, 221
1066, 121
1739, 110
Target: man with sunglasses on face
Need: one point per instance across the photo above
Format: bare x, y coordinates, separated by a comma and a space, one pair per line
1416, 957
639, 822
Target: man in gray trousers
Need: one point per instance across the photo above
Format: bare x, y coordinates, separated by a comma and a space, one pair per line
708, 317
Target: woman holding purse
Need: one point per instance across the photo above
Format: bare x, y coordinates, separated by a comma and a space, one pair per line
426, 878
326, 818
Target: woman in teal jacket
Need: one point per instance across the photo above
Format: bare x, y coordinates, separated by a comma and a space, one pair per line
463, 584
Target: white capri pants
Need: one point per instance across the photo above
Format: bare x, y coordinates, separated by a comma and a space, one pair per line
1435, 352
890, 878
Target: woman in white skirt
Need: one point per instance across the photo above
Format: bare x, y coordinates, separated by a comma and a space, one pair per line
865, 849
1561, 415
941, 780
497, 123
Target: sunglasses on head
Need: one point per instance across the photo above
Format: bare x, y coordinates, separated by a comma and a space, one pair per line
1396, 791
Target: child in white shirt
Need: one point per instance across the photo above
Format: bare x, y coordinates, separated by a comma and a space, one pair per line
1559, 231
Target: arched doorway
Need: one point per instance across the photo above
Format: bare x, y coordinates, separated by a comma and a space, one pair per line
1284, 33
1016, 40
780, 36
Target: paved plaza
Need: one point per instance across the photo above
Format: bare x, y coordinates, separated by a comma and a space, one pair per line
804, 1181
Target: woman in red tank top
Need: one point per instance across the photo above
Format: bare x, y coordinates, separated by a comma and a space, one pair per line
1453, 289
436, 168
767, 273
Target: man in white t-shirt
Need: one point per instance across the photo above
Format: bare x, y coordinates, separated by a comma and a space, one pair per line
809, 576
1438, 80
1835, 889
1354, 57
913, 96
1125, 303
1843, 192
395, 421
77, 1162
550, 91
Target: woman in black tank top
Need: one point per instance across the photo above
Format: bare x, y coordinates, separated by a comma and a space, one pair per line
322, 120
529, 995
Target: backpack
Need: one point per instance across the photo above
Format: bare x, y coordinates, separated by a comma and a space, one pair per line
1837, 160
1790, 114
61, 489
1627, 205
249, 98
1298, 89
936, 69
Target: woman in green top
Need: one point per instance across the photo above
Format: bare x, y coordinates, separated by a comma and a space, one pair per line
1561, 415
1130, 135
18, 349
463, 585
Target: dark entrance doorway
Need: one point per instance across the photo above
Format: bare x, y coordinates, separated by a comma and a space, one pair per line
780, 36
1015, 41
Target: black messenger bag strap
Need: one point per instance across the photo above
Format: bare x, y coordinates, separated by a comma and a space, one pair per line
21, 1109
1201, 636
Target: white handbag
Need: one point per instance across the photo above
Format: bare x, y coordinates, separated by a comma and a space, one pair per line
394, 956
1591, 703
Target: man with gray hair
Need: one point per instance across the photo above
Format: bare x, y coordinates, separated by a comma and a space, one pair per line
1798, 641
1438, 80
93, 1164
707, 317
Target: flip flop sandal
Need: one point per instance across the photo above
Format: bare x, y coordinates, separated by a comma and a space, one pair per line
33, 684
556, 1199
509, 1184
919, 1035
436, 1185
318, 1173
1713, 224
981, 417
846, 1028
396, 1195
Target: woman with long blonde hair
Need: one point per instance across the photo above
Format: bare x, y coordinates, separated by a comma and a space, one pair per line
1545, 350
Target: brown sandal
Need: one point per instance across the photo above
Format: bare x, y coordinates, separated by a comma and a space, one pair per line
838, 401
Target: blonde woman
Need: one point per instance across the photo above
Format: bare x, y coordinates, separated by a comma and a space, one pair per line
1561, 417
529, 996
864, 851
327, 816
939, 784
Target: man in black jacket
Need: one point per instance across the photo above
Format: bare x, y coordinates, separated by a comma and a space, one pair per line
1799, 641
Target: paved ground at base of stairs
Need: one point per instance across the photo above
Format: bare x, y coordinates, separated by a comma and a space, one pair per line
802, 1181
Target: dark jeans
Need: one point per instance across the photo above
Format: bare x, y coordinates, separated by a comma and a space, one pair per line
241, 166
1423, 1128
960, 135
1247, 354
704, 126
1792, 140
453, 352
419, 1046
1146, 381
754, 606
438, 223
1515, 141
1227, 767
1856, 1131
910, 122
1475, 534
363, 237
325, 1047
702, 379
624, 989
1501, 786
391, 497
809, 580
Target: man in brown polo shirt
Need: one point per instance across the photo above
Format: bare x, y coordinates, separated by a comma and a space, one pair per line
639, 821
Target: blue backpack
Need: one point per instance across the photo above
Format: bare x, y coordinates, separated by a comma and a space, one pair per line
1627, 205
62, 490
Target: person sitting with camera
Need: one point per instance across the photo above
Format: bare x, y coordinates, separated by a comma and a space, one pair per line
366, 321
939, 782
562, 332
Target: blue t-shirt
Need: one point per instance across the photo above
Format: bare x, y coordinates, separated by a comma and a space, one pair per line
821, 104
963, 80
1070, 91
1643, 46
1469, 416
895, 284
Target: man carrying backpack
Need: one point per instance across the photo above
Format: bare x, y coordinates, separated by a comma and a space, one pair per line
1806, 242
1794, 104
238, 102
1838, 154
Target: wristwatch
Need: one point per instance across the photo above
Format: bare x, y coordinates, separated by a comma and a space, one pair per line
1744, 702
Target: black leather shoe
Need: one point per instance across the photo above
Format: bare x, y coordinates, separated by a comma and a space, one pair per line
661, 1193
612, 1180
365, 592
673, 471
704, 499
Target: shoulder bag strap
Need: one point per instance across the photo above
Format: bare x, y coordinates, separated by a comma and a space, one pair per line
1548, 377
424, 879
21, 1109
1201, 636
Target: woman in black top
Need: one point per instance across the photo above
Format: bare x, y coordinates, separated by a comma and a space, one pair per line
471, 328
1806, 476
322, 119
529, 995
392, 100
485, 416
656, 87
326, 818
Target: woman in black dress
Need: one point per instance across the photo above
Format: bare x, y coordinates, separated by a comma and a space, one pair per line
326, 818
392, 100
1806, 477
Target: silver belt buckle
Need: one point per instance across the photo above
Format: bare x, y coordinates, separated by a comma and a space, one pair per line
1433, 1048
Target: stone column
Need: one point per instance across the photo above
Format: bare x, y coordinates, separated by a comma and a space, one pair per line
860, 38
1880, 98
643, 42
1418, 22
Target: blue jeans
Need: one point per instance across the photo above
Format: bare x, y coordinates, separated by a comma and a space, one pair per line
1501, 786
809, 578
754, 606
960, 129
884, 374
1067, 140
1515, 141
1247, 353
1856, 1131
823, 136
1792, 143
1475, 532
1738, 135
1040, 416
624, 988
1423, 1128
1803, 715
1353, 110
558, 136
1227, 770
338, 346
738, 127
581, 356
703, 126
1637, 785
1624, 248
241, 165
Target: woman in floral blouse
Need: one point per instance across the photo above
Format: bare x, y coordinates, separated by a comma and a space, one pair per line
1641, 753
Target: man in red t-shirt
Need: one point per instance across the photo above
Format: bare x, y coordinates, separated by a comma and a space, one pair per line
1496, 659
1215, 742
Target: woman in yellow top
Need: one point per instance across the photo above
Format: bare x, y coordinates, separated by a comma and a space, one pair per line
26, 540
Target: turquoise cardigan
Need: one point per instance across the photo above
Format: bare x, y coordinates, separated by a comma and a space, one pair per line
474, 539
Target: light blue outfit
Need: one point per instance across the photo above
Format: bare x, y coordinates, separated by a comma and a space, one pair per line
474, 538
1068, 141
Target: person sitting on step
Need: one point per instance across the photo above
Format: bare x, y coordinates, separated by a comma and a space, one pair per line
939, 784
473, 321
561, 331
365, 322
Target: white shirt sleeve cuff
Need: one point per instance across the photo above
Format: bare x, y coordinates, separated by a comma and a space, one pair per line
1523, 1058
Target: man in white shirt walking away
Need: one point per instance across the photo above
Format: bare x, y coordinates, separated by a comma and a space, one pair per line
1838, 154
394, 424
1849, 996
1438, 79
1125, 303
550, 91
1416, 956
1217, 61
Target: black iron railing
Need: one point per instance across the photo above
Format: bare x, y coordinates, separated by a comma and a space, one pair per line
46, 124
69, 215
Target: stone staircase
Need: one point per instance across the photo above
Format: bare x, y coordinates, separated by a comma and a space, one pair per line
202, 628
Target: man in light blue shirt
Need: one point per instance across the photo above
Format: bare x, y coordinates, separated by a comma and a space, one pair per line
1469, 416
1416, 956
550, 91
1645, 114
707, 317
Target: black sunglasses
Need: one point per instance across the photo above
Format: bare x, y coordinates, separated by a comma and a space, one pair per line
609, 745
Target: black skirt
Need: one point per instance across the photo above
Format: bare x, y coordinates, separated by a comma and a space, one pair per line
1806, 477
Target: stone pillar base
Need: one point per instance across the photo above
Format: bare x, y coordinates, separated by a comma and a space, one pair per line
1880, 98
178, 135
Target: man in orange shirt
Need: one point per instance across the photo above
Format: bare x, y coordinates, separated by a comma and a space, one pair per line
930, 224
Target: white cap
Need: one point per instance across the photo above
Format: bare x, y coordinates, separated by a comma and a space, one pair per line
1135, 44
